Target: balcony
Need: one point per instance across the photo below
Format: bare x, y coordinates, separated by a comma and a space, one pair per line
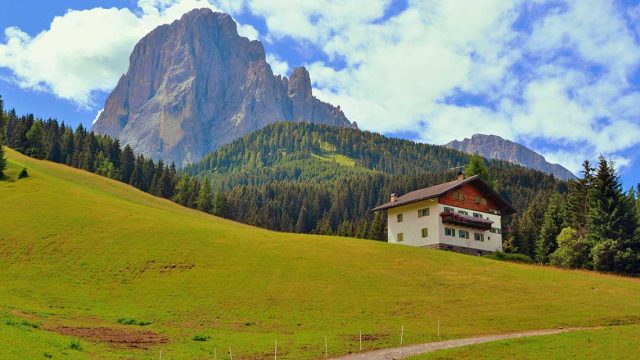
465, 220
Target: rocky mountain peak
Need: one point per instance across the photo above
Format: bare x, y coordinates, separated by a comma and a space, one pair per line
196, 84
495, 147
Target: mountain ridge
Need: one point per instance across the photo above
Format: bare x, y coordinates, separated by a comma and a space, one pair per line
196, 84
496, 147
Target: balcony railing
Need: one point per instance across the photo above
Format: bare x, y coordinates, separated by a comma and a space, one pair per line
465, 220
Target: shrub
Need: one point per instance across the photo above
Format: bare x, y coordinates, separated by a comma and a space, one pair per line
75, 345
521, 258
130, 321
200, 337
23, 174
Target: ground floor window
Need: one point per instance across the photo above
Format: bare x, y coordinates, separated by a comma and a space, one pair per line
479, 237
400, 237
463, 234
449, 231
425, 232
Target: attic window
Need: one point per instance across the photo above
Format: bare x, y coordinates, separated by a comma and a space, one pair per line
478, 200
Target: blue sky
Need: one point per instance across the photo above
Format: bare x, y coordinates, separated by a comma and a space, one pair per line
562, 77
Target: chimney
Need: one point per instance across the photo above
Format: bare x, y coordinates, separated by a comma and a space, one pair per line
460, 175
394, 197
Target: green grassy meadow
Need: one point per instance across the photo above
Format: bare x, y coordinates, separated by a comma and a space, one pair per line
616, 342
80, 251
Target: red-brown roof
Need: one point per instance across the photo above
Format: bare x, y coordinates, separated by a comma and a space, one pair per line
441, 189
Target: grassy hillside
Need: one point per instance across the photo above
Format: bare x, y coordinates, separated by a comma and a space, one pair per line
79, 252
617, 342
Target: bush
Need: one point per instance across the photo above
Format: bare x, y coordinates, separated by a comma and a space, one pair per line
23, 174
572, 251
200, 338
521, 258
130, 321
75, 345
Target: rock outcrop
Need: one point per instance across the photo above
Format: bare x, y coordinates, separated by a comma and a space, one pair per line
196, 84
495, 147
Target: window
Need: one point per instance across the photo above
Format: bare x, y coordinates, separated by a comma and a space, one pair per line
463, 212
399, 217
423, 212
461, 196
425, 232
448, 209
400, 237
463, 234
476, 215
479, 237
496, 230
478, 200
456, 195
483, 201
449, 231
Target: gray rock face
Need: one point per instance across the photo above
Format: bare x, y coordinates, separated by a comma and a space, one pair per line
495, 147
196, 84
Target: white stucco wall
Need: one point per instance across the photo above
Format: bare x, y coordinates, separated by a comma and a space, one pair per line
411, 227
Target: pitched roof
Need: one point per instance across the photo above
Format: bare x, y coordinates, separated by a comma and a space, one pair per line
441, 189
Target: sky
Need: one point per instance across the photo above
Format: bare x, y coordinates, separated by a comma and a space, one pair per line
561, 77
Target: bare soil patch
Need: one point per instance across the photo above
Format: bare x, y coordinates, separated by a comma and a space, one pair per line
113, 336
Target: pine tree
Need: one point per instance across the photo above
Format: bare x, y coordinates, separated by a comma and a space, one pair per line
127, 164
577, 204
220, 206
302, 222
612, 223
3, 160
551, 227
477, 166
36, 141
205, 198
376, 231
183, 190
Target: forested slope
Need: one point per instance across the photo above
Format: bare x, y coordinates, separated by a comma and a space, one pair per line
312, 178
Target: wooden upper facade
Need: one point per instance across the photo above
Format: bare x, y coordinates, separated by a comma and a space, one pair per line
469, 193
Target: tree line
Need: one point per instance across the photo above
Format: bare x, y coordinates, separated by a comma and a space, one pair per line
314, 178
79, 148
594, 225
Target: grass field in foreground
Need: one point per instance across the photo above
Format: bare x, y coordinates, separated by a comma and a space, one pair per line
616, 342
78, 250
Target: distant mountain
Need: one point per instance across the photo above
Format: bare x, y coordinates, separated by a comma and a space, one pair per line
495, 147
196, 84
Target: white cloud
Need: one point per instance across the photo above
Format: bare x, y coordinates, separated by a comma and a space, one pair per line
562, 83
564, 80
87, 51
279, 66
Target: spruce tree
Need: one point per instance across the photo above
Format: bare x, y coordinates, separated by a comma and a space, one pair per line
183, 190
376, 231
550, 229
220, 206
3, 160
577, 205
205, 198
477, 166
127, 164
36, 141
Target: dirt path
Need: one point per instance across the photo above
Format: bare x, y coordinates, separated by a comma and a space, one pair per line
411, 350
